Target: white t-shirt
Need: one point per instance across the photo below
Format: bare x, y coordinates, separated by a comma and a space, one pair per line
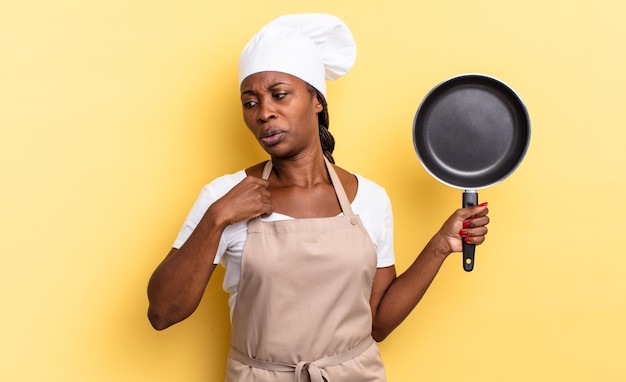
371, 203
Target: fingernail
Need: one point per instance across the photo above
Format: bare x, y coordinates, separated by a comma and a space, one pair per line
465, 224
485, 204
463, 232
467, 240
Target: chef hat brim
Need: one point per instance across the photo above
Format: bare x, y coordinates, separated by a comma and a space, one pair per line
314, 47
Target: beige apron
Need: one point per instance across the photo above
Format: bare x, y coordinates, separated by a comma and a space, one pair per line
302, 313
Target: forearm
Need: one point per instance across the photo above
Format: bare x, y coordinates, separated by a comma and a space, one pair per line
406, 290
177, 285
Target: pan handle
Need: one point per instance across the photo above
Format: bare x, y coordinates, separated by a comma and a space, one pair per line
470, 198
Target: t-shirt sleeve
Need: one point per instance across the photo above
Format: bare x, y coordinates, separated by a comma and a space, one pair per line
386, 255
208, 195
373, 205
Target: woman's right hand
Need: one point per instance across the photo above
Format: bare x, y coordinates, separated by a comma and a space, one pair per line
177, 285
249, 199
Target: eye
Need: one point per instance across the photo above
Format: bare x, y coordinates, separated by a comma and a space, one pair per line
278, 96
248, 104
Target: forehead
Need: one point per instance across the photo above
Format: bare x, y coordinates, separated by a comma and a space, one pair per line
265, 80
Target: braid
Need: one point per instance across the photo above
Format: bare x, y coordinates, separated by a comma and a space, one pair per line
326, 138
328, 143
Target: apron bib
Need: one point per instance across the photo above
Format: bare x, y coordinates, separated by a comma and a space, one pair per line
303, 312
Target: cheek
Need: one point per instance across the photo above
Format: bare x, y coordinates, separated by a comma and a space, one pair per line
248, 119
314, 118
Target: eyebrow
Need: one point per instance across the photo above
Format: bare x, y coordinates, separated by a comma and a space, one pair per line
270, 87
277, 84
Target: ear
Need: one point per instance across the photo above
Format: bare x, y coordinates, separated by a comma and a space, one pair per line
317, 105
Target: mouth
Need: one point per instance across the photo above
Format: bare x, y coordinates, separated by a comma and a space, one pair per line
272, 136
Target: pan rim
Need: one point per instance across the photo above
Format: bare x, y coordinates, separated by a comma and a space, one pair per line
489, 78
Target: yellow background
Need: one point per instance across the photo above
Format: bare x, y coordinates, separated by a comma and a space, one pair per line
114, 114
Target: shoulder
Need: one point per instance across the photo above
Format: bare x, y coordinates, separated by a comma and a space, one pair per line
221, 185
371, 193
229, 181
256, 170
348, 181
364, 193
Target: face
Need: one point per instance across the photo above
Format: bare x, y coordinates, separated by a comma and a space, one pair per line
281, 111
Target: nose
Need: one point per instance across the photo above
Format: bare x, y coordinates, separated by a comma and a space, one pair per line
266, 112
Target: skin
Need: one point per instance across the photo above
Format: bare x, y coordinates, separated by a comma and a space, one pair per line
281, 112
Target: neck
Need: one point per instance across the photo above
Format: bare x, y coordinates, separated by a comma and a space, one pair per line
304, 171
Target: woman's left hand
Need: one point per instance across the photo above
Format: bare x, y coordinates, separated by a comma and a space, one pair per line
466, 224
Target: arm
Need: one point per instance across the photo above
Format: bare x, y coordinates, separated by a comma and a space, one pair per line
393, 298
176, 286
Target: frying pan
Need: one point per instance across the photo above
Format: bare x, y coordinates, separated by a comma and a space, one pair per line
471, 131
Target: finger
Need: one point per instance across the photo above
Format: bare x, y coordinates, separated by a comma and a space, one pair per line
472, 212
268, 205
476, 222
254, 181
476, 240
480, 210
472, 233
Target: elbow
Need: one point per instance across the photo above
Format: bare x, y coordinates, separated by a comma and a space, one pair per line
161, 319
379, 338
158, 322
379, 334
162, 314
159, 325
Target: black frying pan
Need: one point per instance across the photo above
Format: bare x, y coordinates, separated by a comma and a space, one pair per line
470, 132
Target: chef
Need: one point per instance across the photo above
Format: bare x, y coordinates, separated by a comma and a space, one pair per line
307, 245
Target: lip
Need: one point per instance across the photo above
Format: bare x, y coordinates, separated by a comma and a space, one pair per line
272, 136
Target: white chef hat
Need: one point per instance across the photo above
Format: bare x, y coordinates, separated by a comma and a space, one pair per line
312, 46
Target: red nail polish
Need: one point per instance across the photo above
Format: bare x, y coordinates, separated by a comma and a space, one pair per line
467, 240
463, 232
485, 204
465, 224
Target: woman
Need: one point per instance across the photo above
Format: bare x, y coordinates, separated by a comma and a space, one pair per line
307, 246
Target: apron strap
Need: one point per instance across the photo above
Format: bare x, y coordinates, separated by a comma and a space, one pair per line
341, 193
267, 170
314, 369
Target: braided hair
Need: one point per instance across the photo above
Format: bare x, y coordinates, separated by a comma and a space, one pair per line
326, 138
